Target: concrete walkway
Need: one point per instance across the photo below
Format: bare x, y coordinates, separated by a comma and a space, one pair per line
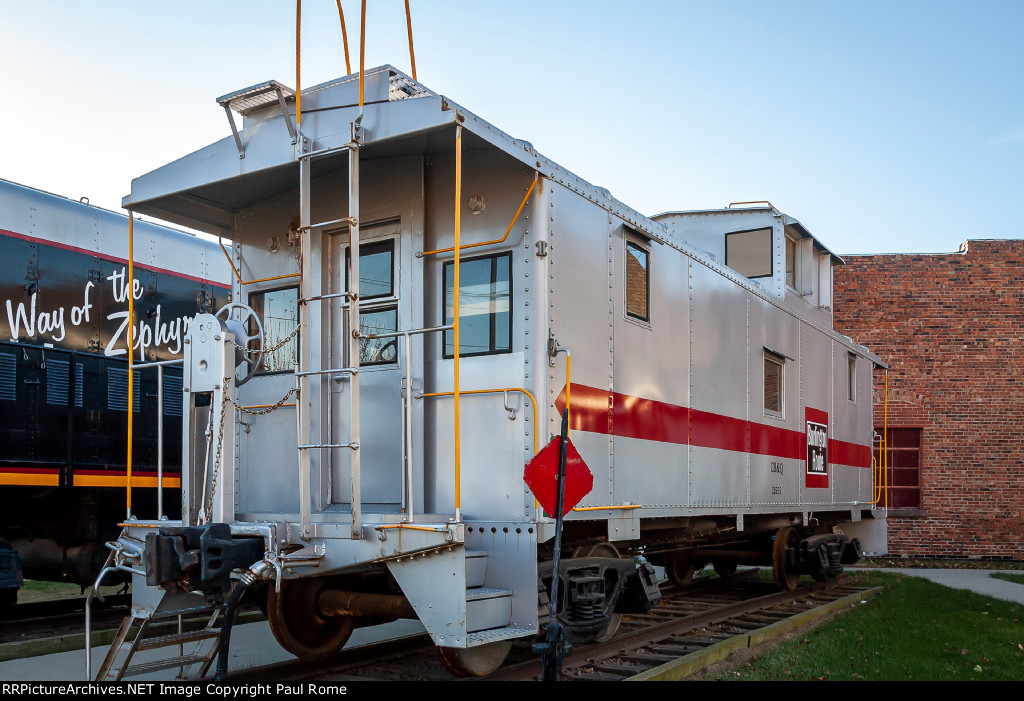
252, 645
977, 581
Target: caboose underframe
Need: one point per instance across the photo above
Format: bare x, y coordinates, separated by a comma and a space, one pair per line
383, 471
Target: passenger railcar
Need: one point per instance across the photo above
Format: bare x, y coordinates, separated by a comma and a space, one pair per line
64, 379
378, 471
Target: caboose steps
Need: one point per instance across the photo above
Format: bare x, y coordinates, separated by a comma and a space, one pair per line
493, 635
204, 643
487, 607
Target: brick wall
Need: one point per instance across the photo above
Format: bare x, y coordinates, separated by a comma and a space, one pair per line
951, 326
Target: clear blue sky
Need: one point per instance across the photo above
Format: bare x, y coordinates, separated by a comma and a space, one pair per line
883, 126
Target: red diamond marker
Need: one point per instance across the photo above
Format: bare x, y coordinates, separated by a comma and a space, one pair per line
541, 476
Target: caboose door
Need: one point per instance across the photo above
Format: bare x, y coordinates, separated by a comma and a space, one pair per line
381, 310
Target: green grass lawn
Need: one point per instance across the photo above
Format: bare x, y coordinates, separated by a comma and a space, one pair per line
33, 590
914, 630
1009, 577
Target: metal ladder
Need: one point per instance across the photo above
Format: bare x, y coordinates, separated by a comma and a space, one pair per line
115, 666
307, 294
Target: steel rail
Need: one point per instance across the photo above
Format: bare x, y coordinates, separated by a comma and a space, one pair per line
586, 655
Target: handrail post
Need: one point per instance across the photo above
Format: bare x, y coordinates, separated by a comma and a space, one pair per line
354, 328
456, 312
131, 351
303, 402
159, 442
410, 506
885, 442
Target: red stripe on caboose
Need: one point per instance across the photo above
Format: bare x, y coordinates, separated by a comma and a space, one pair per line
600, 411
112, 259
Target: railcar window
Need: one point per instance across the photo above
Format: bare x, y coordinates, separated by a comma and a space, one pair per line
774, 372
376, 269
638, 283
378, 351
485, 301
278, 311
750, 252
903, 451
851, 361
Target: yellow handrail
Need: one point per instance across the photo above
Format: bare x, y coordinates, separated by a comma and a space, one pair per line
408, 22
507, 231
362, 53
344, 38
880, 471
410, 527
755, 202
238, 275
885, 439
456, 314
568, 383
602, 508
298, 63
131, 345
525, 391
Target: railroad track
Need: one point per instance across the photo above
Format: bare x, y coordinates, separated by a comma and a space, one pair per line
683, 623
46, 619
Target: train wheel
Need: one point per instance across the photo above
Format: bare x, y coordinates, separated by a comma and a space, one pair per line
724, 569
785, 539
297, 624
605, 550
474, 661
679, 569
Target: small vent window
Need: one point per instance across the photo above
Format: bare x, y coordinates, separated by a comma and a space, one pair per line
638, 282
117, 390
791, 267
750, 252
8, 377
851, 364
58, 382
172, 396
774, 374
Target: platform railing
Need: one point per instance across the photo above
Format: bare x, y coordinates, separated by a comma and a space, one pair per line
408, 497
159, 365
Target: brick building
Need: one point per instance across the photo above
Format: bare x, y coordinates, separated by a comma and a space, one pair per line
952, 328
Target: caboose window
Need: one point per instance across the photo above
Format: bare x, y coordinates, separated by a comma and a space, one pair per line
378, 351
851, 363
485, 297
638, 282
279, 313
791, 263
774, 367
750, 252
376, 269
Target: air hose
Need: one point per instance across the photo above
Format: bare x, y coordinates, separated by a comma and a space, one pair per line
251, 575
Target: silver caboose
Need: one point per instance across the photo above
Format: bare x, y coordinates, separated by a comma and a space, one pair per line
356, 448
